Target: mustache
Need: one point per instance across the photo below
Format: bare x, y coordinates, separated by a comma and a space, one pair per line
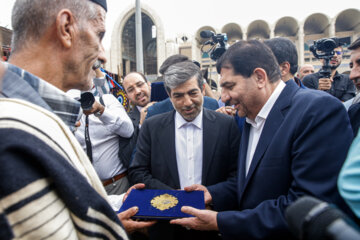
139, 95
188, 107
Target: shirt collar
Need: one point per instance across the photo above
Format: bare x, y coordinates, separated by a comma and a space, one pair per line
62, 105
180, 121
139, 108
265, 110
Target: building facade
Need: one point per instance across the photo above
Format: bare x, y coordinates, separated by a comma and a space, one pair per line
345, 25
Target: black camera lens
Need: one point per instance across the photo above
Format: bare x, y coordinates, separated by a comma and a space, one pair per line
328, 45
87, 100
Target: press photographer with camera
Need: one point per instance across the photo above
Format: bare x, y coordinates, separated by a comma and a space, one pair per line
103, 121
328, 79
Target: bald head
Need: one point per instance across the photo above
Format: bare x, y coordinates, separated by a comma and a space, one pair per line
137, 88
306, 70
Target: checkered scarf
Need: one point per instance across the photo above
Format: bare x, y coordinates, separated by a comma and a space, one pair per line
53, 98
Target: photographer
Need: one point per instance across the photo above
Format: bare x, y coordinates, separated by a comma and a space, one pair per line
338, 85
101, 125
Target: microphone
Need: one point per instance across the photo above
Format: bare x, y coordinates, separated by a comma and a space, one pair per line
310, 218
207, 34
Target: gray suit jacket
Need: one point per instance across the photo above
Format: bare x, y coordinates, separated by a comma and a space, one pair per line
127, 145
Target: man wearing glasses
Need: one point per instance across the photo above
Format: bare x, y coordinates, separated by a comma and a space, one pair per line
338, 85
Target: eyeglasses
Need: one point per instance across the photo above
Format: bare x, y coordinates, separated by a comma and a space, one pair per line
338, 52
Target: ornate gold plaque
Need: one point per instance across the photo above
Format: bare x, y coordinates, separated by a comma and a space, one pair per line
164, 202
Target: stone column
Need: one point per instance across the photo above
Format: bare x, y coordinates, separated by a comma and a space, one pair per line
272, 33
127, 67
301, 36
332, 30
139, 39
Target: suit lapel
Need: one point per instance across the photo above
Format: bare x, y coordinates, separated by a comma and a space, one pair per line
167, 139
210, 133
135, 116
272, 124
242, 157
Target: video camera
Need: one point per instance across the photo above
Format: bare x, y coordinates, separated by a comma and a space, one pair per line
324, 49
218, 43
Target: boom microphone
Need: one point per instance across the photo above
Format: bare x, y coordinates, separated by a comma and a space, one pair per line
310, 218
207, 34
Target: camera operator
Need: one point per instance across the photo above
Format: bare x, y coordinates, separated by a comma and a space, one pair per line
101, 125
338, 85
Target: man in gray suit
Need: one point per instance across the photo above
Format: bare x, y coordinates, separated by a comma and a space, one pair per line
186, 146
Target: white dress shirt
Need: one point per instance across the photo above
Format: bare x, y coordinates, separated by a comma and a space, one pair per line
104, 134
257, 125
139, 109
189, 149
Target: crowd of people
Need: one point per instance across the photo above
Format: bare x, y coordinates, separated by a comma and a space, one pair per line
70, 153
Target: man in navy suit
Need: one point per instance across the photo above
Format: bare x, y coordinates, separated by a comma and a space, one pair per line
294, 143
188, 145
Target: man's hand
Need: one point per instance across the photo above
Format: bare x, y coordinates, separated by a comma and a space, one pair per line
228, 110
136, 186
96, 109
204, 220
143, 112
198, 187
131, 225
325, 83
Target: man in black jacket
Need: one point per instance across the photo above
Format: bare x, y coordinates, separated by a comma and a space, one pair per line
338, 85
186, 146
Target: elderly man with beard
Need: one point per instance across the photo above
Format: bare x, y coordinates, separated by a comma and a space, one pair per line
186, 146
338, 85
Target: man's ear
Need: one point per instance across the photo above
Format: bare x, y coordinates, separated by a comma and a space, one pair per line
203, 89
284, 68
260, 77
65, 28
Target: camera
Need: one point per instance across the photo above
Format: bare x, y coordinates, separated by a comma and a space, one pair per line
218, 44
324, 49
87, 100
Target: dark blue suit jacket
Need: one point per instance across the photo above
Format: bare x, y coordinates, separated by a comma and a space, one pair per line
166, 106
301, 150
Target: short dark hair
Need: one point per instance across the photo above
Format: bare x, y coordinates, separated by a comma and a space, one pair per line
181, 72
355, 44
172, 60
245, 56
285, 51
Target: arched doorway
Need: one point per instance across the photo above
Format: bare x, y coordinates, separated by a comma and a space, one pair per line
123, 44
128, 43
